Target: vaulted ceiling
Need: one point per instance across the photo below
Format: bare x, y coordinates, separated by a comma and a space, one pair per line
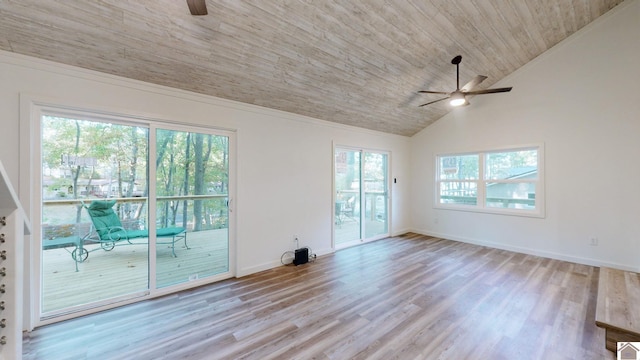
355, 62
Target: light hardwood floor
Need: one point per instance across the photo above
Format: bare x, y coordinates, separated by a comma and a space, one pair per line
408, 297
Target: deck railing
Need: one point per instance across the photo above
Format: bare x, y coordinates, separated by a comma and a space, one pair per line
55, 230
472, 200
133, 199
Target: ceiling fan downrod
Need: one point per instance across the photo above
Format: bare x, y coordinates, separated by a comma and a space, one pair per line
197, 7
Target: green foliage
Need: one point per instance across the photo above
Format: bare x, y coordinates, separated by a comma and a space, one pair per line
192, 164
503, 165
186, 164
108, 144
460, 167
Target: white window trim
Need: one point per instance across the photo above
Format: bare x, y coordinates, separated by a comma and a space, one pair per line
389, 189
480, 207
32, 108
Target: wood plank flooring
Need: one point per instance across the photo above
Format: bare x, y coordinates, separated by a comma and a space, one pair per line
408, 297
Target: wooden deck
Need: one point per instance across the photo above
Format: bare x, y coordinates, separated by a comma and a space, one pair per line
409, 297
124, 270
347, 229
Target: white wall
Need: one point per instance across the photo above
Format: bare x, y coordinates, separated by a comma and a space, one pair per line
284, 163
581, 100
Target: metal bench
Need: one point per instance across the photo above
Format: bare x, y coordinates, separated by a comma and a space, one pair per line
78, 254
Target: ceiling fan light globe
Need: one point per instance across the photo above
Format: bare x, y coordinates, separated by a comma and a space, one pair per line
457, 99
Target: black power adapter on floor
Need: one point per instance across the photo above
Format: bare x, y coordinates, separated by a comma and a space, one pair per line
301, 256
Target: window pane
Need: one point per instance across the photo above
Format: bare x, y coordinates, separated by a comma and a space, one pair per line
459, 192
375, 194
459, 167
521, 195
522, 164
84, 162
192, 192
347, 202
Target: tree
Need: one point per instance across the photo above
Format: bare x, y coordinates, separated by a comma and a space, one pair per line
82, 149
185, 206
201, 158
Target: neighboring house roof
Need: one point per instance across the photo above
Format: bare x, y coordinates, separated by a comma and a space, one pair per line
520, 172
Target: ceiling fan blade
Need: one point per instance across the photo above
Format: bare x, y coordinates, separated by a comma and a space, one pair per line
473, 83
197, 7
435, 101
434, 92
488, 91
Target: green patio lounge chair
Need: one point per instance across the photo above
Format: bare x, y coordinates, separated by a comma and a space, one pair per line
109, 232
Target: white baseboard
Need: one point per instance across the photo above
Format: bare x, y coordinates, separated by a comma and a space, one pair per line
274, 264
401, 232
530, 251
326, 251
257, 268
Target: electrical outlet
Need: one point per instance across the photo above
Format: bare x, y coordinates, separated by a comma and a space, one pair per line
593, 241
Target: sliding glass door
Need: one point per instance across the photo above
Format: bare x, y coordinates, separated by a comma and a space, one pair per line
192, 191
107, 233
361, 200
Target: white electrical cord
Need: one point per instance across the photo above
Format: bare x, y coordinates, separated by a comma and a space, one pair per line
290, 258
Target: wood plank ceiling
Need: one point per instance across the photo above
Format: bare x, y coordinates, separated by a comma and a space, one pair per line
354, 62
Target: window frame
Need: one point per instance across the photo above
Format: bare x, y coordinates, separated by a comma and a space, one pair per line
33, 108
483, 181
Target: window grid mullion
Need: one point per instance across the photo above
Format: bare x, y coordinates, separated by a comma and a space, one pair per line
482, 184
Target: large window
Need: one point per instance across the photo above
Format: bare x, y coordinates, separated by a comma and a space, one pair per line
499, 181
